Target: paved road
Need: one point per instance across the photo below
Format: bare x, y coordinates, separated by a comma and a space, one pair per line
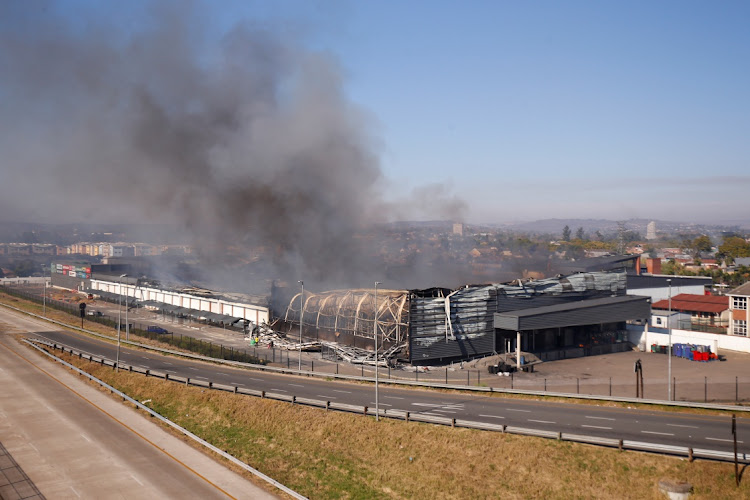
670, 428
75, 442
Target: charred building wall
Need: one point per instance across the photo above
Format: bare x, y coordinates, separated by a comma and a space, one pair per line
437, 323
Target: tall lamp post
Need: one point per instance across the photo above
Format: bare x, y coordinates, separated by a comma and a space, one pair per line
669, 350
119, 321
375, 332
301, 310
44, 301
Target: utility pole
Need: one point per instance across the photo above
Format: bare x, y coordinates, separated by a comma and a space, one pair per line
377, 407
301, 310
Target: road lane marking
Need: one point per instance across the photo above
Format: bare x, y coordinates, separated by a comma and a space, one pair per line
597, 427
194, 369
491, 416
684, 426
345, 392
659, 433
445, 411
600, 418
297, 385
327, 397
86, 438
515, 409
393, 397
235, 383
170, 371
724, 440
136, 479
256, 379
541, 421
379, 404
279, 390
429, 405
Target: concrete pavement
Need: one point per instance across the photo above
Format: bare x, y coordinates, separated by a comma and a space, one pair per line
73, 441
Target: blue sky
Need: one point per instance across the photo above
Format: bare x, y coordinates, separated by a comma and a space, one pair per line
531, 110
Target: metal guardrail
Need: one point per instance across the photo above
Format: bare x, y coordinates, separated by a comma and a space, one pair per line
165, 420
404, 415
412, 383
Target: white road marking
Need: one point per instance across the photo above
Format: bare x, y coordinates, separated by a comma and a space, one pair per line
194, 369
445, 411
166, 363
724, 440
327, 397
659, 433
597, 427
279, 390
600, 418
136, 479
296, 385
429, 405
170, 371
393, 397
86, 438
514, 409
491, 416
541, 421
201, 378
256, 379
685, 426
235, 383
74, 491
345, 392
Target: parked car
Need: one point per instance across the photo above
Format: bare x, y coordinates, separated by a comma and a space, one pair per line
156, 329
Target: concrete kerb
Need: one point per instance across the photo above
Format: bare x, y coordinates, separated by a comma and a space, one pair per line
184, 431
437, 385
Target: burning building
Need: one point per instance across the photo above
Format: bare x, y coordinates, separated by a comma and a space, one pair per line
565, 316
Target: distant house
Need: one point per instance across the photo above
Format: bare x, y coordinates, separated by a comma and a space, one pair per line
701, 313
738, 299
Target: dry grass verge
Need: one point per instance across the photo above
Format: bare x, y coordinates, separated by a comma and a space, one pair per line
334, 455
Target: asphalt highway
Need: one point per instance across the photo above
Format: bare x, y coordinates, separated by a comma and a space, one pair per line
706, 432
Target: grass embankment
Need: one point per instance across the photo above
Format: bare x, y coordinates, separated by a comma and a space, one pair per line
335, 455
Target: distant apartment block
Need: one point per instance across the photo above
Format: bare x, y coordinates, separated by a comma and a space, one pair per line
458, 229
651, 231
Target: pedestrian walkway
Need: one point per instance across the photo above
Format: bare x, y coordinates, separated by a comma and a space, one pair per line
14, 483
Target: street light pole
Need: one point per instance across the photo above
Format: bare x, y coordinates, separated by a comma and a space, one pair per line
669, 350
375, 332
301, 310
119, 321
127, 324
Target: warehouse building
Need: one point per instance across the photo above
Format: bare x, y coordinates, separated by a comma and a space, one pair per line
581, 314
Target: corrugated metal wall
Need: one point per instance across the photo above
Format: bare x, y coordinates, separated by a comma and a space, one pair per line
471, 331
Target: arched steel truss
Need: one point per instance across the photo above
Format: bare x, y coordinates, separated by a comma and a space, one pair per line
353, 312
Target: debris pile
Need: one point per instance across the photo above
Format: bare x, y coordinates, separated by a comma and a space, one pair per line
264, 335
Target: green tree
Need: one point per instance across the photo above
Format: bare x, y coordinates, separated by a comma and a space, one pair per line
734, 247
566, 233
701, 244
579, 233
